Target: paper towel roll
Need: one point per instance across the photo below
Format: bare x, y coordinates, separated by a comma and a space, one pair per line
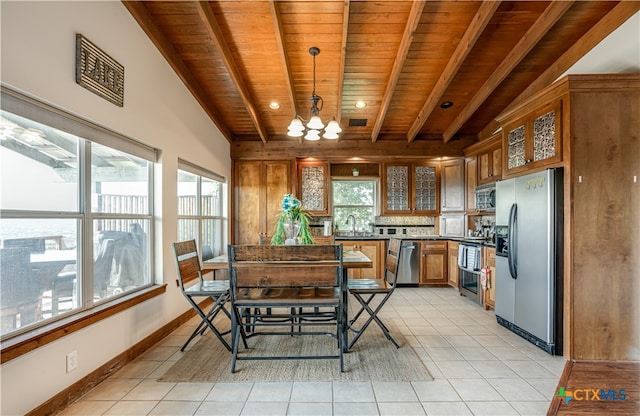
328, 230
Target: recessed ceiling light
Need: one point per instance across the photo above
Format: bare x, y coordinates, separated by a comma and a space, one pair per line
360, 104
274, 105
446, 104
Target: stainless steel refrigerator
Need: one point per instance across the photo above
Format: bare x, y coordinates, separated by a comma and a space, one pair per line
529, 257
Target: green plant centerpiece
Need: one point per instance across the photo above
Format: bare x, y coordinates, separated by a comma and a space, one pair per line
292, 226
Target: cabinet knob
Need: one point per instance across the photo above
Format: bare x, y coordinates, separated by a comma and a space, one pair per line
528, 161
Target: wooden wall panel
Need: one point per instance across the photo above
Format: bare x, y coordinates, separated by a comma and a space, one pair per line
247, 184
606, 224
277, 184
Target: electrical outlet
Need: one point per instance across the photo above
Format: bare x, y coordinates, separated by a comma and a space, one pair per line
72, 361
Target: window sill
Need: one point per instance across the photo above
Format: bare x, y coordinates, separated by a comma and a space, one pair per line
29, 341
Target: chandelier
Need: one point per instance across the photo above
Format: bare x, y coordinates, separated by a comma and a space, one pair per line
314, 127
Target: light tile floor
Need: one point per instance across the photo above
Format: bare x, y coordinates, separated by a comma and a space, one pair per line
479, 368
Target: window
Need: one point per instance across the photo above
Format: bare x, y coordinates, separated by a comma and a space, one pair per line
355, 197
66, 199
202, 212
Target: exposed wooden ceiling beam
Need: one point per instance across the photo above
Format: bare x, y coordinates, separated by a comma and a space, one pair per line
346, 149
275, 14
343, 58
540, 27
610, 22
146, 22
469, 39
284, 58
401, 56
215, 33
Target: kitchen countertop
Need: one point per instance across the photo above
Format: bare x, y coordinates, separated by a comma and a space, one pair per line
472, 240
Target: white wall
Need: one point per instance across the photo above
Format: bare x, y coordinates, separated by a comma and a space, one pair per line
38, 58
616, 54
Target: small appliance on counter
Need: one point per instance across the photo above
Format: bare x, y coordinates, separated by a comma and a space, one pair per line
328, 228
486, 197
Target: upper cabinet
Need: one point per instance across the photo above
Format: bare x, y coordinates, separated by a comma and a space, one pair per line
313, 186
470, 164
259, 187
490, 162
533, 140
453, 190
410, 188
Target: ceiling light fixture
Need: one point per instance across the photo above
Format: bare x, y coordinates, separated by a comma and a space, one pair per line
315, 125
360, 104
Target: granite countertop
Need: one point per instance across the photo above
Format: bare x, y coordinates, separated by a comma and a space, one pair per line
472, 240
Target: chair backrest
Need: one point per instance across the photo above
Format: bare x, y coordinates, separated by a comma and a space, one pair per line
392, 261
34, 244
324, 239
103, 265
207, 252
187, 261
17, 284
262, 266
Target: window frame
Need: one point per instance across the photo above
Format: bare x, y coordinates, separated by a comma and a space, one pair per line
201, 173
374, 205
22, 340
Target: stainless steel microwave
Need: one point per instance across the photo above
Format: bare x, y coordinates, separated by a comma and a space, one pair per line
486, 197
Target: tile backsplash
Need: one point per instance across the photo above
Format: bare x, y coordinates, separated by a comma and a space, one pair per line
405, 225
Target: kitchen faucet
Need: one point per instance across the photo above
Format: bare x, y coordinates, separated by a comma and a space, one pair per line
353, 227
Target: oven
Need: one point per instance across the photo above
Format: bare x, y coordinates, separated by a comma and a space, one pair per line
469, 263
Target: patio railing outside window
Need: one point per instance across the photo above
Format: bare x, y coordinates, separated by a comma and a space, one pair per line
202, 212
75, 217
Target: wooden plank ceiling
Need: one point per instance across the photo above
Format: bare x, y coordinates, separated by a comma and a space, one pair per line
404, 59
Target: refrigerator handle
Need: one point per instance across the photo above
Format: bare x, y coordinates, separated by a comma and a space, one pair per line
513, 238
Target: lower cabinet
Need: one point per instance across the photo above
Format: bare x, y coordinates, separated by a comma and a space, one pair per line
433, 263
374, 249
489, 294
453, 272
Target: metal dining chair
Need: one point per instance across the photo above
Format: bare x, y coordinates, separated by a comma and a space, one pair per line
189, 270
286, 279
365, 290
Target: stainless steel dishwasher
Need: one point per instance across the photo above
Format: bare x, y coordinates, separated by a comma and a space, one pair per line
409, 269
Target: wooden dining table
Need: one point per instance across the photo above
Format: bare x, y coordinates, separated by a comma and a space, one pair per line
351, 259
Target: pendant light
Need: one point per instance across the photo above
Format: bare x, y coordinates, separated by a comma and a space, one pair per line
314, 128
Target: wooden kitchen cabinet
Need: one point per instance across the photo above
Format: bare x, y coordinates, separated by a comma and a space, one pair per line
532, 141
603, 306
374, 249
598, 137
410, 188
433, 263
453, 272
313, 186
453, 224
490, 162
471, 181
259, 187
489, 294
452, 188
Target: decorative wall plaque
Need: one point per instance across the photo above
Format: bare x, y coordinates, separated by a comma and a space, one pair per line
98, 72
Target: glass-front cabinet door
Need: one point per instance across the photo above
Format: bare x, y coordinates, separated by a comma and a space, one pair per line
396, 182
410, 188
425, 188
534, 140
313, 189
